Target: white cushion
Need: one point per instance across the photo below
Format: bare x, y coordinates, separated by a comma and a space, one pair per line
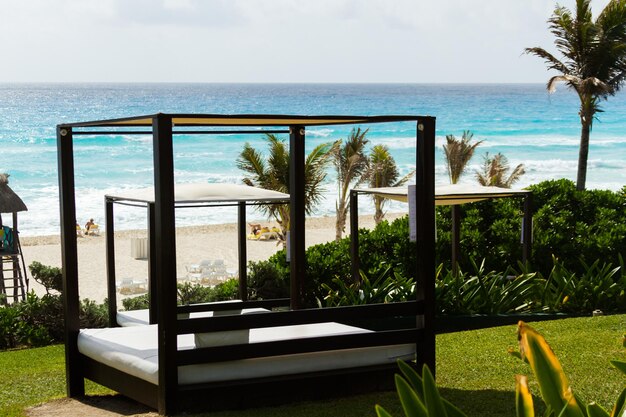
231, 337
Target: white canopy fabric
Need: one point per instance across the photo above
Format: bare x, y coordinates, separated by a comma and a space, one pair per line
448, 195
205, 193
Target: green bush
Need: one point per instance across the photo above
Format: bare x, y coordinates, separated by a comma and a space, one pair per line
50, 277
38, 321
189, 293
386, 288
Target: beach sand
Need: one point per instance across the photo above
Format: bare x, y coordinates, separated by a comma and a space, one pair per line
193, 244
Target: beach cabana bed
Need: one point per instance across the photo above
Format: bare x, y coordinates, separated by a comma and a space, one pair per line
445, 195
195, 196
244, 353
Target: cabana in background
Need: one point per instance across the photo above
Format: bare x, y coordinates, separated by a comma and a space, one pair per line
445, 195
163, 390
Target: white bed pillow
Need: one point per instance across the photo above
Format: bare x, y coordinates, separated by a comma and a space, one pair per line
230, 337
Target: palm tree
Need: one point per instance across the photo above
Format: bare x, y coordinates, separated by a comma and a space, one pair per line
273, 174
495, 169
383, 172
350, 163
593, 64
458, 153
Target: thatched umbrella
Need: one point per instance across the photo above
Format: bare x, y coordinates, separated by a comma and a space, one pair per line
9, 201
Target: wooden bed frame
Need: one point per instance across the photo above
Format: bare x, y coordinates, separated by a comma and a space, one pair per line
168, 396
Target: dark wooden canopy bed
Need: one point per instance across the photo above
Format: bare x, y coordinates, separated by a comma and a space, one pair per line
243, 353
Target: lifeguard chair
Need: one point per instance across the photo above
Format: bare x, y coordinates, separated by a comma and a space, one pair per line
13, 278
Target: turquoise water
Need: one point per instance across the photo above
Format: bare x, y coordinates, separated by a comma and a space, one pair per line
522, 121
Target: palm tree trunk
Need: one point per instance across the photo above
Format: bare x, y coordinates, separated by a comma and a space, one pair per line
340, 224
583, 153
378, 213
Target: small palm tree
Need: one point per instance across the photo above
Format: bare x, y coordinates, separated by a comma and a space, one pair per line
458, 153
594, 63
495, 169
383, 172
350, 163
273, 174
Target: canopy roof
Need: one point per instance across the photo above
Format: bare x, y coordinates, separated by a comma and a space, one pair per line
205, 193
448, 195
9, 201
243, 120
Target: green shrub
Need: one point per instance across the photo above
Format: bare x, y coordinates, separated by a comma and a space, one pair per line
597, 287
269, 279
50, 277
485, 292
386, 288
140, 302
189, 293
38, 321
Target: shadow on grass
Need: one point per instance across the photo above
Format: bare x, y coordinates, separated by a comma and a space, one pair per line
481, 403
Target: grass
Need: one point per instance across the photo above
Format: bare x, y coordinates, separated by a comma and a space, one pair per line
474, 371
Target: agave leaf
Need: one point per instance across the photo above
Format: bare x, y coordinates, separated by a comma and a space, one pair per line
381, 412
412, 377
411, 404
620, 405
594, 410
452, 410
523, 400
553, 384
621, 365
434, 403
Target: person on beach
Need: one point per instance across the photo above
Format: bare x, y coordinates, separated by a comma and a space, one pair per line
88, 225
255, 229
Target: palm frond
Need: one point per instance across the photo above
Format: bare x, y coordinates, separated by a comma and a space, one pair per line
554, 62
458, 153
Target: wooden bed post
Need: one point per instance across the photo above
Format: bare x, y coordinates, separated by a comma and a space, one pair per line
165, 262
110, 255
354, 236
297, 210
242, 258
425, 212
69, 257
153, 298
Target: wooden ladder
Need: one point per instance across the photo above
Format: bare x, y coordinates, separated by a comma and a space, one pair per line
13, 279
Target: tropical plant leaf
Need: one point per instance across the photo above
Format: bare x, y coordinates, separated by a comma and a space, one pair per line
553, 383
620, 405
621, 365
523, 400
411, 376
452, 410
411, 403
381, 412
432, 398
594, 410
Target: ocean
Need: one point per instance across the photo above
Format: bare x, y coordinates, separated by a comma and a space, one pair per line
522, 121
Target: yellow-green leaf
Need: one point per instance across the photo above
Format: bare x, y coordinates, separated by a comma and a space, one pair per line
619, 410
411, 404
381, 412
523, 400
594, 410
621, 365
412, 377
433, 401
553, 384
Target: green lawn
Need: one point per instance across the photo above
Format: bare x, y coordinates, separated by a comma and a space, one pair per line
474, 371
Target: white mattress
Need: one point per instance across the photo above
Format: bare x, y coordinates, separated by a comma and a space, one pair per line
133, 350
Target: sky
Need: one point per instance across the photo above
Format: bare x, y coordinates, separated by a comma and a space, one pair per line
266, 41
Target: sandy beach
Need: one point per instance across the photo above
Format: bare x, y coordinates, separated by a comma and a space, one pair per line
193, 244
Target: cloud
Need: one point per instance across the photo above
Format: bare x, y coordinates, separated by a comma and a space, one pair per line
275, 40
